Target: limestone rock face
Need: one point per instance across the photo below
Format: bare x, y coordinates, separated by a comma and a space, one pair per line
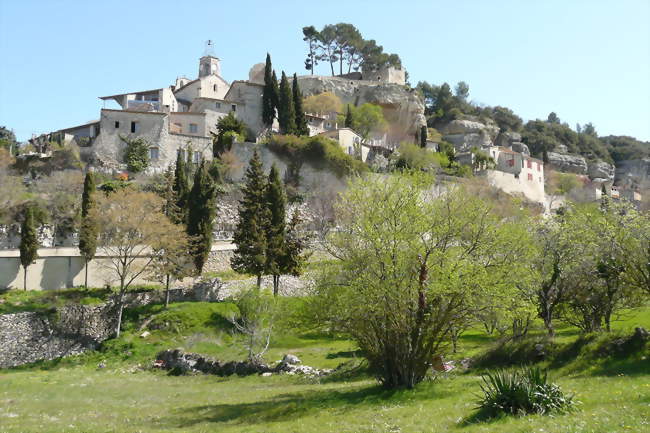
601, 170
561, 148
520, 147
403, 108
466, 134
508, 138
567, 163
633, 172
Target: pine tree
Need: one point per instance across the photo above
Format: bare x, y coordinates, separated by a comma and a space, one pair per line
269, 97
301, 120
201, 213
181, 188
423, 136
275, 231
28, 242
348, 117
286, 112
89, 230
250, 236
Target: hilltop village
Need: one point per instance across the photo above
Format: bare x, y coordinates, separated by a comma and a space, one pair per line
183, 117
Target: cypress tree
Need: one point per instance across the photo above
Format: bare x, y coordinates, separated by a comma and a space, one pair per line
423, 136
301, 120
293, 258
201, 214
348, 117
181, 188
89, 229
275, 232
276, 91
286, 112
268, 95
28, 242
250, 234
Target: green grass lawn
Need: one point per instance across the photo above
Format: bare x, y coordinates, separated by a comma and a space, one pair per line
73, 395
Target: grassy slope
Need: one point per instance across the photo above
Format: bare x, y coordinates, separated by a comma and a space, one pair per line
73, 395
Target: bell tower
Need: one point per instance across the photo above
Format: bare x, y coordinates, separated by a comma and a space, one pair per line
209, 63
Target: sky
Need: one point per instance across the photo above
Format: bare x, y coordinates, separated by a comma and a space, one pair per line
586, 60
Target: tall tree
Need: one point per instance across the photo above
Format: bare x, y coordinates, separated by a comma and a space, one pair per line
301, 120
201, 215
134, 233
286, 111
181, 188
250, 234
275, 229
276, 91
28, 242
229, 129
423, 136
89, 230
348, 117
293, 258
269, 97
327, 45
311, 37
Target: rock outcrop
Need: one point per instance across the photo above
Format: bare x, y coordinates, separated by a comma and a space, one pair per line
403, 107
466, 134
601, 170
633, 172
567, 163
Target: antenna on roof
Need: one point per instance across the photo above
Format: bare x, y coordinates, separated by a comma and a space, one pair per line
209, 48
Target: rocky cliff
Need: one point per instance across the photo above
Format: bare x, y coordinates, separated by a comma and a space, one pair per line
403, 107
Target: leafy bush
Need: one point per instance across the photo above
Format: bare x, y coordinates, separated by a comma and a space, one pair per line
412, 156
522, 392
136, 154
319, 151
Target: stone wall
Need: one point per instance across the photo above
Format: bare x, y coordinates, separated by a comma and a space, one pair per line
29, 337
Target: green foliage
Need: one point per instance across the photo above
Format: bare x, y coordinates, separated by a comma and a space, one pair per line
399, 293
319, 151
181, 189
200, 216
89, 230
28, 240
276, 227
229, 129
523, 392
256, 319
622, 148
343, 43
541, 136
366, 120
301, 120
136, 153
269, 95
286, 110
411, 156
250, 237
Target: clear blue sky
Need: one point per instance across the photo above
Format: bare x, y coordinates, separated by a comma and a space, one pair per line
587, 60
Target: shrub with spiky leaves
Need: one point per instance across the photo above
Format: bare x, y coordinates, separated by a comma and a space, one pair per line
522, 392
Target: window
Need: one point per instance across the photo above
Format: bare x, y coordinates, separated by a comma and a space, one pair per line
217, 105
117, 124
530, 176
233, 107
530, 163
153, 153
214, 88
540, 180
327, 125
135, 127
196, 157
511, 162
193, 128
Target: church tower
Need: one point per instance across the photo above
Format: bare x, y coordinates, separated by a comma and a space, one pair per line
209, 63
